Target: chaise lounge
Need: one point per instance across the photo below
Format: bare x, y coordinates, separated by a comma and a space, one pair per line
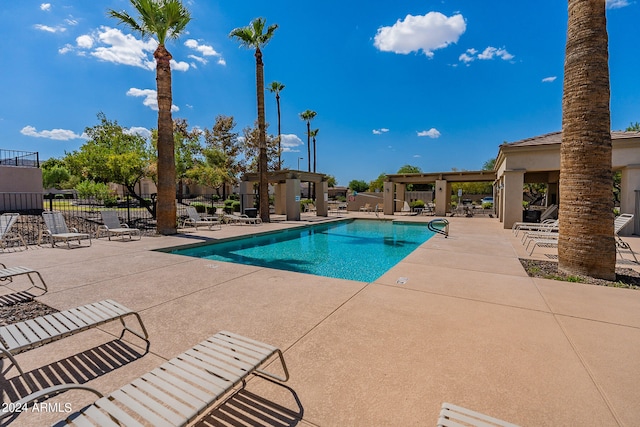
183, 388
195, 219
7, 275
23, 336
112, 226
6, 235
57, 230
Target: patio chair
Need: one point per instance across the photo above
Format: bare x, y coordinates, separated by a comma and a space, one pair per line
549, 213
457, 416
19, 337
620, 222
8, 273
6, 235
112, 226
57, 230
195, 219
244, 219
533, 226
365, 208
181, 389
310, 207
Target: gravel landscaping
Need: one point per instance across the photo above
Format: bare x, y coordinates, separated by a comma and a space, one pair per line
625, 277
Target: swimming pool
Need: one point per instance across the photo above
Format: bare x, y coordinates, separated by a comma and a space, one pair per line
358, 249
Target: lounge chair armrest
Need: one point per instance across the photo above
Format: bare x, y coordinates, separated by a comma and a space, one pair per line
73, 229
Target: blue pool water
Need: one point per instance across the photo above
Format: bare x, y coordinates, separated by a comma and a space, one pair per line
360, 250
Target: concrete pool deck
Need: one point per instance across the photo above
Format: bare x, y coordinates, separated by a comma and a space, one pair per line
468, 327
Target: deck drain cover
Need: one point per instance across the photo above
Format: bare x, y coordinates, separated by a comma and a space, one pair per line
402, 280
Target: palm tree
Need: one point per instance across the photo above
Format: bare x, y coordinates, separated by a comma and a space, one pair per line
254, 37
277, 87
586, 243
161, 19
313, 135
307, 116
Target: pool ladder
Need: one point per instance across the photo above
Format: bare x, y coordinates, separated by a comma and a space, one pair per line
440, 226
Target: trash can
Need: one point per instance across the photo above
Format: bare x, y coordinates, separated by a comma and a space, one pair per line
531, 216
251, 212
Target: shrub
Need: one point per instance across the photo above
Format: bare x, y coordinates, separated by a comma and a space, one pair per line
200, 207
211, 210
487, 205
417, 204
236, 206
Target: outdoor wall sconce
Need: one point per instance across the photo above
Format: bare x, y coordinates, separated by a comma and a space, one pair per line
440, 189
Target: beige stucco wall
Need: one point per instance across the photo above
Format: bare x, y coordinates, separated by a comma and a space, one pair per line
22, 188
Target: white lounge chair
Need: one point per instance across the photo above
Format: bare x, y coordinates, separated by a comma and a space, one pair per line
533, 226
457, 416
621, 221
365, 208
244, 219
23, 336
195, 219
112, 226
57, 230
6, 235
549, 213
181, 389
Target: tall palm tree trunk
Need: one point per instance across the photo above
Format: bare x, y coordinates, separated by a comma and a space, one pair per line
586, 243
166, 209
314, 166
263, 184
309, 145
279, 133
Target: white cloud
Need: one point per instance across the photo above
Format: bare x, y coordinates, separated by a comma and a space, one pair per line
84, 42
57, 134
71, 22
179, 66
204, 50
290, 142
65, 49
491, 52
431, 133
150, 98
45, 6
141, 131
427, 33
124, 48
416, 156
617, 4
549, 79
49, 29
380, 131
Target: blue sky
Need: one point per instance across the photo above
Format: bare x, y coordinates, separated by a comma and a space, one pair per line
434, 84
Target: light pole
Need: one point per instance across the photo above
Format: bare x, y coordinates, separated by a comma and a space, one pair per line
299, 158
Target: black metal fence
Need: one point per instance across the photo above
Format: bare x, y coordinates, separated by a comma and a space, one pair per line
19, 158
84, 214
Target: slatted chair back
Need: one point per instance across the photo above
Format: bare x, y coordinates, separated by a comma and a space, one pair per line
621, 221
6, 222
193, 213
55, 222
110, 219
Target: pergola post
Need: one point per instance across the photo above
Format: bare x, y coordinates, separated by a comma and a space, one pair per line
293, 199
442, 197
511, 197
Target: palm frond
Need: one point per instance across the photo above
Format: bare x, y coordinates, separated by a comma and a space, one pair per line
162, 18
252, 35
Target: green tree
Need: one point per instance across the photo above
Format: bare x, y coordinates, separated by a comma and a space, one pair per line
409, 169
255, 37
331, 181
358, 185
277, 87
307, 116
161, 19
112, 154
489, 165
54, 174
187, 147
222, 139
586, 243
251, 149
378, 183
633, 127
